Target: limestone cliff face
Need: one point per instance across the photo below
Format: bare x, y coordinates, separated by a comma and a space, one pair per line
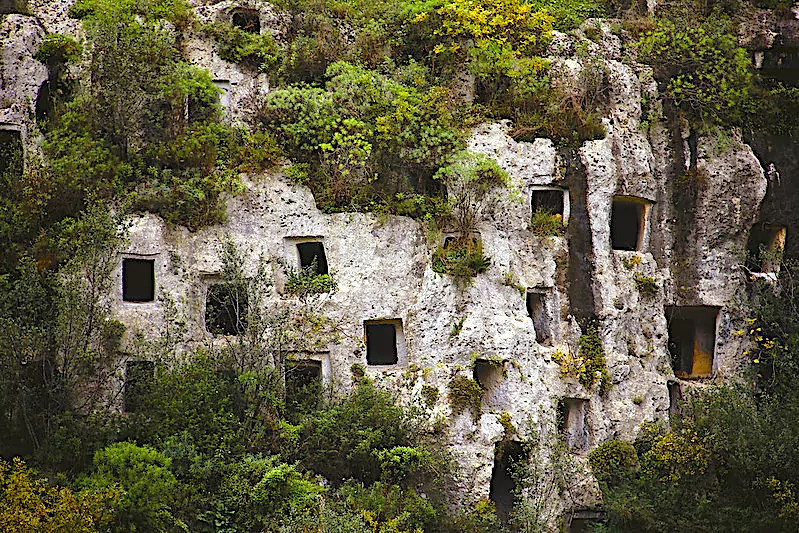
697, 197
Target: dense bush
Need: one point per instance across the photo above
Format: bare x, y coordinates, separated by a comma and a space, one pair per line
702, 68
131, 134
148, 485
29, 502
729, 463
364, 138
613, 461
594, 370
344, 440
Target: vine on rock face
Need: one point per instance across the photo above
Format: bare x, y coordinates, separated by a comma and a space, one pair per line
466, 393
589, 366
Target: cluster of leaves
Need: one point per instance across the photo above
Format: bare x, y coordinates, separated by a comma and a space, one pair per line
306, 282
646, 285
29, 503
257, 51
364, 138
461, 261
56, 49
693, 48
704, 70
594, 369
613, 461
544, 224
588, 366
130, 133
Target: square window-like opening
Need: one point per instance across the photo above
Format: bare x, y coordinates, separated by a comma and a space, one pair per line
508, 455
139, 377
487, 374
571, 422
627, 223
11, 155
538, 310
247, 19
226, 306
303, 387
765, 246
548, 200
381, 342
312, 253
138, 280
692, 339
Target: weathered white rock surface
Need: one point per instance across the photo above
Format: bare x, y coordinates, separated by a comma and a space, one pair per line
383, 265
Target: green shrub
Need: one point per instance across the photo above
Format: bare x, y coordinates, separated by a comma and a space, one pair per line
480, 518
545, 224
465, 394
463, 262
400, 462
257, 51
343, 440
305, 283
613, 461
388, 507
646, 285
701, 68
364, 138
569, 14
282, 490
593, 370
430, 395
199, 397
149, 486
56, 48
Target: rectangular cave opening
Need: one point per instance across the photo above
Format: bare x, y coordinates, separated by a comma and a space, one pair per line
14, 6
692, 339
138, 280
509, 455
585, 521
139, 376
538, 311
487, 374
313, 253
381, 342
44, 103
764, 248
224, 95
11, 154
248, 20
550, 200
627, 223
303, 386
675, 398
571, 422
226, 306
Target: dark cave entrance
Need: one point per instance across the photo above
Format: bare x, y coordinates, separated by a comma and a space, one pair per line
138, 280
509, 456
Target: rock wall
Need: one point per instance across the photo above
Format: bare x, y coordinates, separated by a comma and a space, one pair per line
383, 266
